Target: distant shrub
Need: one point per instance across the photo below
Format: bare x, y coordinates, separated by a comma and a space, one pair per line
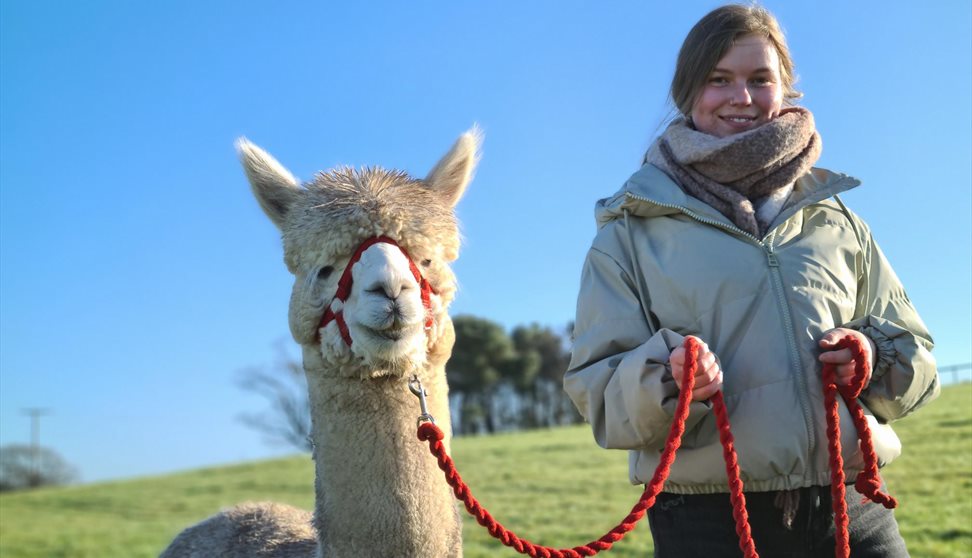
22, 466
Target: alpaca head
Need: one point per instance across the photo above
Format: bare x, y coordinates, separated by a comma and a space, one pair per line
384, 325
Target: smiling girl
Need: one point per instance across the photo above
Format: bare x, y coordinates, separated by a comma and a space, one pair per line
729, 234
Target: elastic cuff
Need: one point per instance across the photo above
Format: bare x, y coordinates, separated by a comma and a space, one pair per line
886, 353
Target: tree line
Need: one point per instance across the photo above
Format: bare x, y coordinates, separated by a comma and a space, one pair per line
498, 381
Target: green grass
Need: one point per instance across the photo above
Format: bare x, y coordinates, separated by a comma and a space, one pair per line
932, 479
554, 487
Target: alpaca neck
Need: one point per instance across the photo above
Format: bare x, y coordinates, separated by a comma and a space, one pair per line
379, 491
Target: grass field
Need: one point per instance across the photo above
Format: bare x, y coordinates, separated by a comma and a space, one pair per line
554, 487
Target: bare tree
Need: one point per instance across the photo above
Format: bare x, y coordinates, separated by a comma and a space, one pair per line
284, 386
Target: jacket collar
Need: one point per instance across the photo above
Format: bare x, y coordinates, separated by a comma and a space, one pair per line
652, 193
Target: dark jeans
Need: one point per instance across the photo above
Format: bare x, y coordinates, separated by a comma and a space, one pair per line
701, 525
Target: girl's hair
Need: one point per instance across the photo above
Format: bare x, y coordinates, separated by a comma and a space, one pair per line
712, 37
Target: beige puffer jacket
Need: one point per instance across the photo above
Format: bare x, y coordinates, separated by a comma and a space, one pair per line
761, 305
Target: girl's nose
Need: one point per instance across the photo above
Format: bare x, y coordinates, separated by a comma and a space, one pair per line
740, 95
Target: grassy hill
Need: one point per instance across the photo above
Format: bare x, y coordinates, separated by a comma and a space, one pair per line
554, 487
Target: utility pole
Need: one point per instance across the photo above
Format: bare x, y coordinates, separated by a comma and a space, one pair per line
955, 369
35, 414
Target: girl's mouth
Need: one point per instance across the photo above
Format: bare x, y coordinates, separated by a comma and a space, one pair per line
739, 119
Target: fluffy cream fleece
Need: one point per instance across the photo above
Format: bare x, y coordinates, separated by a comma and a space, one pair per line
378, 490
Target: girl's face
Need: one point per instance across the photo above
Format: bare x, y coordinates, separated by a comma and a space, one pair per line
743, 91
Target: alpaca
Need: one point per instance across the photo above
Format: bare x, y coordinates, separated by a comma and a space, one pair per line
378, 491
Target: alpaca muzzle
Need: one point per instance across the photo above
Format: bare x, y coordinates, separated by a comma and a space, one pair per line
335, 311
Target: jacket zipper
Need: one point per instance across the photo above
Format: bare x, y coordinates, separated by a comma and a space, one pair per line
784, 306
774, 266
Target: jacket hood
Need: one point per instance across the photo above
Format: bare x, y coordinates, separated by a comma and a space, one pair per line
652, 193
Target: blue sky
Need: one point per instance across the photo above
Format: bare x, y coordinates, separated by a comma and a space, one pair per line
138, 276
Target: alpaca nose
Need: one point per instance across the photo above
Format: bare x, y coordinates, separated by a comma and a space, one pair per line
383, 271
388, 288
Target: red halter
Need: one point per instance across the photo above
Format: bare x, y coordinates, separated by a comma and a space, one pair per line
344, 289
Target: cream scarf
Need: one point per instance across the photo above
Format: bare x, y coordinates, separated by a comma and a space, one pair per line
746, 176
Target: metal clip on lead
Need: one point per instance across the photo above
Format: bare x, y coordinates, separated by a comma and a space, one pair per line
415, 386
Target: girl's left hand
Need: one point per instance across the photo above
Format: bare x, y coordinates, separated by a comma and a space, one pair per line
843, 357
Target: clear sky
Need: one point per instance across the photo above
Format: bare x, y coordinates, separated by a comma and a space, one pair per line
138, 276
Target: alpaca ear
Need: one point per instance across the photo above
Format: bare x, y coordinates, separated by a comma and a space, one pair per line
452, 173
273, 185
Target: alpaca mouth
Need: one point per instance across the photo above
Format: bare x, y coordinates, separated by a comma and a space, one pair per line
392, 334
392, 351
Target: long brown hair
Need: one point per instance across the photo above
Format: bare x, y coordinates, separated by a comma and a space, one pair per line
712, 37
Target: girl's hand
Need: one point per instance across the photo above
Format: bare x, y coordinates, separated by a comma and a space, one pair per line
708, 376
843, 357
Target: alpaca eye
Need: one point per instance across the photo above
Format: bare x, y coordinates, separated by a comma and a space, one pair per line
325, 272
426, 263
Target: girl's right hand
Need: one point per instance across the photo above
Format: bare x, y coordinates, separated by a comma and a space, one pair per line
708, 375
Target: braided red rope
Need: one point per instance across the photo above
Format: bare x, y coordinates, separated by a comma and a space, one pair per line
868, 482
428, 431
736, 495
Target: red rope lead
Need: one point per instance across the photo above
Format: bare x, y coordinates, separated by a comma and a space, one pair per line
431, 433
868, 482
736, 494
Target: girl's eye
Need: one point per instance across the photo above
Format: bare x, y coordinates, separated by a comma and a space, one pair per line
325, 272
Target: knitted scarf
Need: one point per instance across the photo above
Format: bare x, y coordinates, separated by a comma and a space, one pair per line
740, 173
